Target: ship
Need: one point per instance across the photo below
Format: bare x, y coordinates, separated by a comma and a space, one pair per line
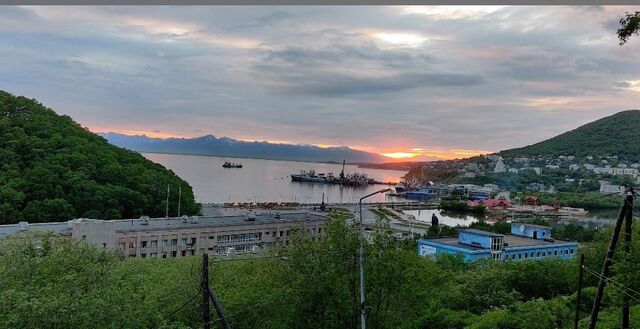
355, 179
228, 164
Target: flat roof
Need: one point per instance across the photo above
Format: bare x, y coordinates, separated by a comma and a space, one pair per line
55, 227
480, 232
215, 221
454, 242
172, 222
512, 241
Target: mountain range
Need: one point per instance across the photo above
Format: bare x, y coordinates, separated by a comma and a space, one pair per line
224, 146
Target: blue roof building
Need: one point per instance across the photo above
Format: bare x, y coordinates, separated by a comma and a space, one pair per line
526, 241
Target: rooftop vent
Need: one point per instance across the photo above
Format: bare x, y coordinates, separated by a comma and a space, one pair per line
23, 226
277, 215
144, 220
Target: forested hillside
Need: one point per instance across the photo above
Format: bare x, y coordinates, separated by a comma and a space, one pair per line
617, 134
52, 169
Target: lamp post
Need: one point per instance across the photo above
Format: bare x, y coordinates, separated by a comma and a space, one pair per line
363, 315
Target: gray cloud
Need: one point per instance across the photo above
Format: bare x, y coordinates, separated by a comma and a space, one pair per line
379, 77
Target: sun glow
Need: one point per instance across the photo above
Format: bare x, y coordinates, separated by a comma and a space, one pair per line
401, 155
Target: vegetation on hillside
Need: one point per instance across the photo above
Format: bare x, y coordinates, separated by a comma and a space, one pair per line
52, 169
68, 284
609, 136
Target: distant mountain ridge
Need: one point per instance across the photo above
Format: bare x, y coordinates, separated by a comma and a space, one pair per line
617, 134
224, 146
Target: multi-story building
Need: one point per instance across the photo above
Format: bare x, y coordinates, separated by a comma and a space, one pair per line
186, 236
526, 241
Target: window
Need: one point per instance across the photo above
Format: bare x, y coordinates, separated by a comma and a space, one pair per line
319, 230
519, 256
566, 251
153, 255
143, 255
281, 233
526, 255
164, 254
154, 244
132, 255
538, 254
84, 237
132, 244
544, 254
174, 253
555, 253
571, 251
183, 241
174, 242
193, 241
104, 245
164, 243
183, 253
143, 244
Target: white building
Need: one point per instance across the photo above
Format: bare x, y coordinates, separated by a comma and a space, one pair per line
181, 237
500, 166
605, 188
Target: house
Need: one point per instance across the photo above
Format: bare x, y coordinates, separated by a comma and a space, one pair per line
531, 201
499, 203
526, 241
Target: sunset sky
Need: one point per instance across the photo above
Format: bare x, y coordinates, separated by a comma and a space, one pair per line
409, 82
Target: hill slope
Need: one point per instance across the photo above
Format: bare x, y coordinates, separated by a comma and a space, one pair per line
52, 169
224, 146
618, 134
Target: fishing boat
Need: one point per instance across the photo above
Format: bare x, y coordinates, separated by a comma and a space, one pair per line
228, 164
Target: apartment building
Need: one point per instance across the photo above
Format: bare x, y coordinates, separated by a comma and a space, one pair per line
185, 236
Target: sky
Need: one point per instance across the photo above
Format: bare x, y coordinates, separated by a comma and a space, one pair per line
418, 82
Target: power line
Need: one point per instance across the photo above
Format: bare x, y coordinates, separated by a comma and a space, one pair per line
615, 285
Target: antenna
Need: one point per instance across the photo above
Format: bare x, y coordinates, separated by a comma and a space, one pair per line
179, 197
166, 214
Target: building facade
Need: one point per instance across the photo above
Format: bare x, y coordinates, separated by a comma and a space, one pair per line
526, 241
186, 236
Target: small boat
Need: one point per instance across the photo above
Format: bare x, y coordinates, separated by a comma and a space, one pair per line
228, 164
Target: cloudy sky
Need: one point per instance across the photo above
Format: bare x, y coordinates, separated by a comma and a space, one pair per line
436, 81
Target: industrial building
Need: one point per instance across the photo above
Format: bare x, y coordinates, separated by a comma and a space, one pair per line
526, 241
184, 236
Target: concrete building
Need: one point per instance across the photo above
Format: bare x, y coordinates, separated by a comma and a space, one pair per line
186, 236
526, 241
500, 166
606, 188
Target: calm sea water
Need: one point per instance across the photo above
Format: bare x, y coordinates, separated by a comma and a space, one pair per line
267, 180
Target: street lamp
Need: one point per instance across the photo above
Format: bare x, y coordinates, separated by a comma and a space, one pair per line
363, 316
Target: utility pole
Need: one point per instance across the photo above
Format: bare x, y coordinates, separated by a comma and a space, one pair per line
166, 214
363, 313
579, 293
179, 198
609, 258
204, 287
627, 249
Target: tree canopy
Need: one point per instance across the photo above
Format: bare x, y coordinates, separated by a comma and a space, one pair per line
630, 25
52, 169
